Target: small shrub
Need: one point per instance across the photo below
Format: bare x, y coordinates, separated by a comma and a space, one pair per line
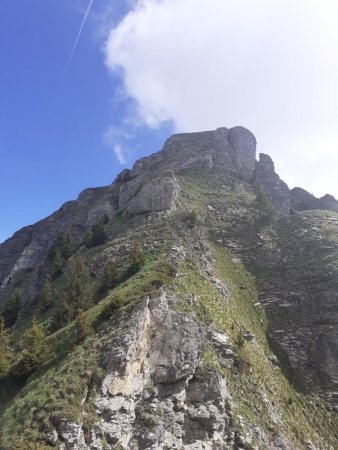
239, 341
242, 364
114, 304
83, 326
187, 217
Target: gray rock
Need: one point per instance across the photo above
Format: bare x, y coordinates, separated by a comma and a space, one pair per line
276, 189
302, 200
159, 194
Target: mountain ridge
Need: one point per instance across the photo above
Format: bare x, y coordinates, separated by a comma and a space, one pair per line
237, 294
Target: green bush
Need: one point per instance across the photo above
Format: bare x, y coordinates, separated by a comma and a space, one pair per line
187, 217
12, 308
110, 308
6, 352
83, 326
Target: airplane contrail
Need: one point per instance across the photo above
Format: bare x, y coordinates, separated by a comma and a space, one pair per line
78, 37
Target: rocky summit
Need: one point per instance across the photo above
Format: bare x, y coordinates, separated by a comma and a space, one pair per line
192, 304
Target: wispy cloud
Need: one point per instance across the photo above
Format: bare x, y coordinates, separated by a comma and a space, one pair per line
115, 139
119, 153
78, 37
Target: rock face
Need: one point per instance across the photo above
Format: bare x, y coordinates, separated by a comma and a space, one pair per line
151, 396
276, 189
149, 186
300, 297
302, 200
29, 246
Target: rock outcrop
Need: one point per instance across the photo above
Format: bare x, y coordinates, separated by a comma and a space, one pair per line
302, 200
277, 190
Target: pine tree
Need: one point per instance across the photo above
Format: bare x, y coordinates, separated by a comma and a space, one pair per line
99, 234
78, 286
12, 308
83, 326
35, 352
68, 247
96, 235
63, 313
57, 264
64, 244
137, 257
46, 296
6, 352
88, 239
110, 277
105, 219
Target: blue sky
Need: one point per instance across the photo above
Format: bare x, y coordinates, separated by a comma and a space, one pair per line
51, 126
143, 69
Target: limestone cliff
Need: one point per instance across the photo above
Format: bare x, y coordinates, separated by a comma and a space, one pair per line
225, 338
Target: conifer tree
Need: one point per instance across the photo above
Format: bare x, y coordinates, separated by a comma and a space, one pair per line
105, 219
46, 296
96, 235
12, 308
35, 351
99, 234
63, 312
68, 247
64, 244
57, 264
88, 239
137, 257
78, 286
6, 352
110, 276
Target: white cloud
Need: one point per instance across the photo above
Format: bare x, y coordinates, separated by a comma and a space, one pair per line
112, 138
119, 153
271, 66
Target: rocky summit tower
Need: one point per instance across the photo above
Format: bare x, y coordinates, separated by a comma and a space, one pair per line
192, 304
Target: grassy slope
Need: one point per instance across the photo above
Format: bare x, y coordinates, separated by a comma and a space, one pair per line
58, 391
259, 390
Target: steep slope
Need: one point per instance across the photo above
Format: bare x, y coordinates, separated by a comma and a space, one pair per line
182, 353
